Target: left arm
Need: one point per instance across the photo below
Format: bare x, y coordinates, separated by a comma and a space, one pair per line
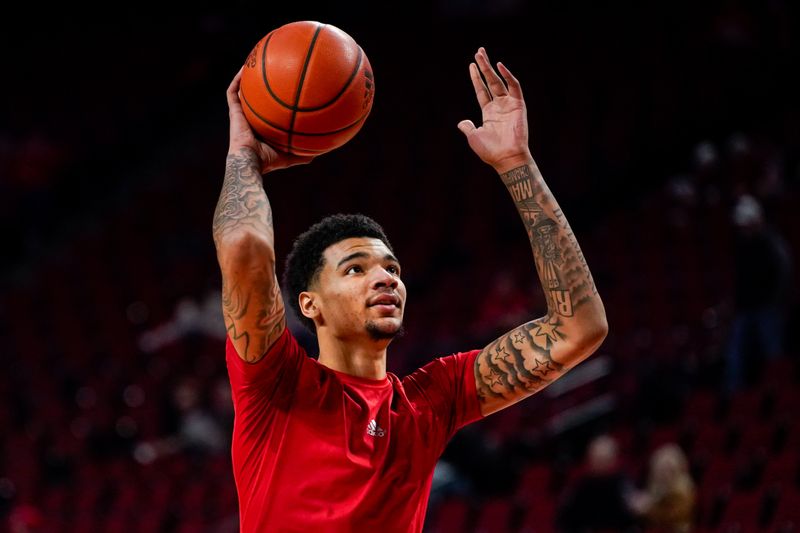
533, 355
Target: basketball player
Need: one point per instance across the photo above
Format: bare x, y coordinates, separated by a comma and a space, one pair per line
338, 444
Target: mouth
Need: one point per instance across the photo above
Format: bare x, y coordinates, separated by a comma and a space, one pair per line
385, 301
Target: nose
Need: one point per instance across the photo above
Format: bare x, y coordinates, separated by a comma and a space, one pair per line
383, 279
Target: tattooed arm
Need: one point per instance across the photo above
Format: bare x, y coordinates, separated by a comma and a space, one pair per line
251, 299
529, 357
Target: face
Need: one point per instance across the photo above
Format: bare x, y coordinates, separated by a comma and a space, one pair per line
358, 291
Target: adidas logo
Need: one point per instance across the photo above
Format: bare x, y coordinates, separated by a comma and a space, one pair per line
375, 430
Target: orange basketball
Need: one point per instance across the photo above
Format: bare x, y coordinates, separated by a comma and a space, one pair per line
307, 88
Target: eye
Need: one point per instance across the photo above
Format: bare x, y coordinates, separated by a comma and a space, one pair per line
356, 269
393, 269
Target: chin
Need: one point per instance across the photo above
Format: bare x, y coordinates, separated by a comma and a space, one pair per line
384, 329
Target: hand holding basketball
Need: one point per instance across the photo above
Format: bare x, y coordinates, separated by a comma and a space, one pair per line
241, 135
306, 88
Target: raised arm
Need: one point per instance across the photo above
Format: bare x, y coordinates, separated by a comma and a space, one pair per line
533, 355
251, 299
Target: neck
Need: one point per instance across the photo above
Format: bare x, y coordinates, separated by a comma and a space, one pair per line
362, 358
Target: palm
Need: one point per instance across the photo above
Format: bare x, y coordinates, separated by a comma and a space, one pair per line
270, 157
504, 129
503, 134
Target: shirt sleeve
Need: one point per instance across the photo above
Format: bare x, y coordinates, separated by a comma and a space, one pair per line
448, 385
272, 378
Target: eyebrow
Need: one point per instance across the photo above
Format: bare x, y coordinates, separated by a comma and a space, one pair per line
364, 255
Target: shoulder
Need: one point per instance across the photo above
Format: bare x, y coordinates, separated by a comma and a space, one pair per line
283, 359
446, 384
286, 342
442, 369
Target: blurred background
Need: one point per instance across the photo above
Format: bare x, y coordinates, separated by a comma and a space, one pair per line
668, 133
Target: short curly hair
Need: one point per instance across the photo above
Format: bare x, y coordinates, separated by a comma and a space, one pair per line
306, 259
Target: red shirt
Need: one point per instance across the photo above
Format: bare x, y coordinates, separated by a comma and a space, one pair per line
318, 450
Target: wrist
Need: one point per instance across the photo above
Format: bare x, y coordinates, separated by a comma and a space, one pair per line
511, 162
245, 155
242, 150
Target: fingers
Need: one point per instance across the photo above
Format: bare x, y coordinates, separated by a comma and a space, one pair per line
481, 91
466, 127
514, 88
278, 160
496, 85
233, 90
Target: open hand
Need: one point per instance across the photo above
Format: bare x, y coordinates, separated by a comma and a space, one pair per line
502, 139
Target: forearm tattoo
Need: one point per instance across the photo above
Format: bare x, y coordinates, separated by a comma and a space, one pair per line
242, 203
254, 313
519, 363
565, 276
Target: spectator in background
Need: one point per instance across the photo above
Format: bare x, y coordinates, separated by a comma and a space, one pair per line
190, 317
762, 278
200, 430
667, 504
598, 498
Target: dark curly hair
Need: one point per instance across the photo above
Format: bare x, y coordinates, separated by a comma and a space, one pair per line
305, 261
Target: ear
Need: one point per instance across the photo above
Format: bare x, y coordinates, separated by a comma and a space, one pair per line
308, 304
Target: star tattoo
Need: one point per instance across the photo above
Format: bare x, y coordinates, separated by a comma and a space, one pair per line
494, 377
545, 329
501, 354
542, 367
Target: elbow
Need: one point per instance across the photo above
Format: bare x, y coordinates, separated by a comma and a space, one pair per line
592, 335
596, 325
598, 332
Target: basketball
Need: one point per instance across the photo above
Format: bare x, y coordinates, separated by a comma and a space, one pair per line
307, 88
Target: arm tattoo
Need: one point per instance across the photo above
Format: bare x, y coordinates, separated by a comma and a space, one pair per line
519, 363
270, 317
242, 203
563, 271
252, 306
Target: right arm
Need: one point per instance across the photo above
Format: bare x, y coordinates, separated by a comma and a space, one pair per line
251, 299
252, 305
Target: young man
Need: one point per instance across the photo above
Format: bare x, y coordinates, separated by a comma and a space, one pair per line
339, 444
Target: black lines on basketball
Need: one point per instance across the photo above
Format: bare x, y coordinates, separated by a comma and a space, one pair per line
285, 147
324, 133
302, 79
264, 75
296, 107
342, 90
260, 117
298, 133
305, 67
